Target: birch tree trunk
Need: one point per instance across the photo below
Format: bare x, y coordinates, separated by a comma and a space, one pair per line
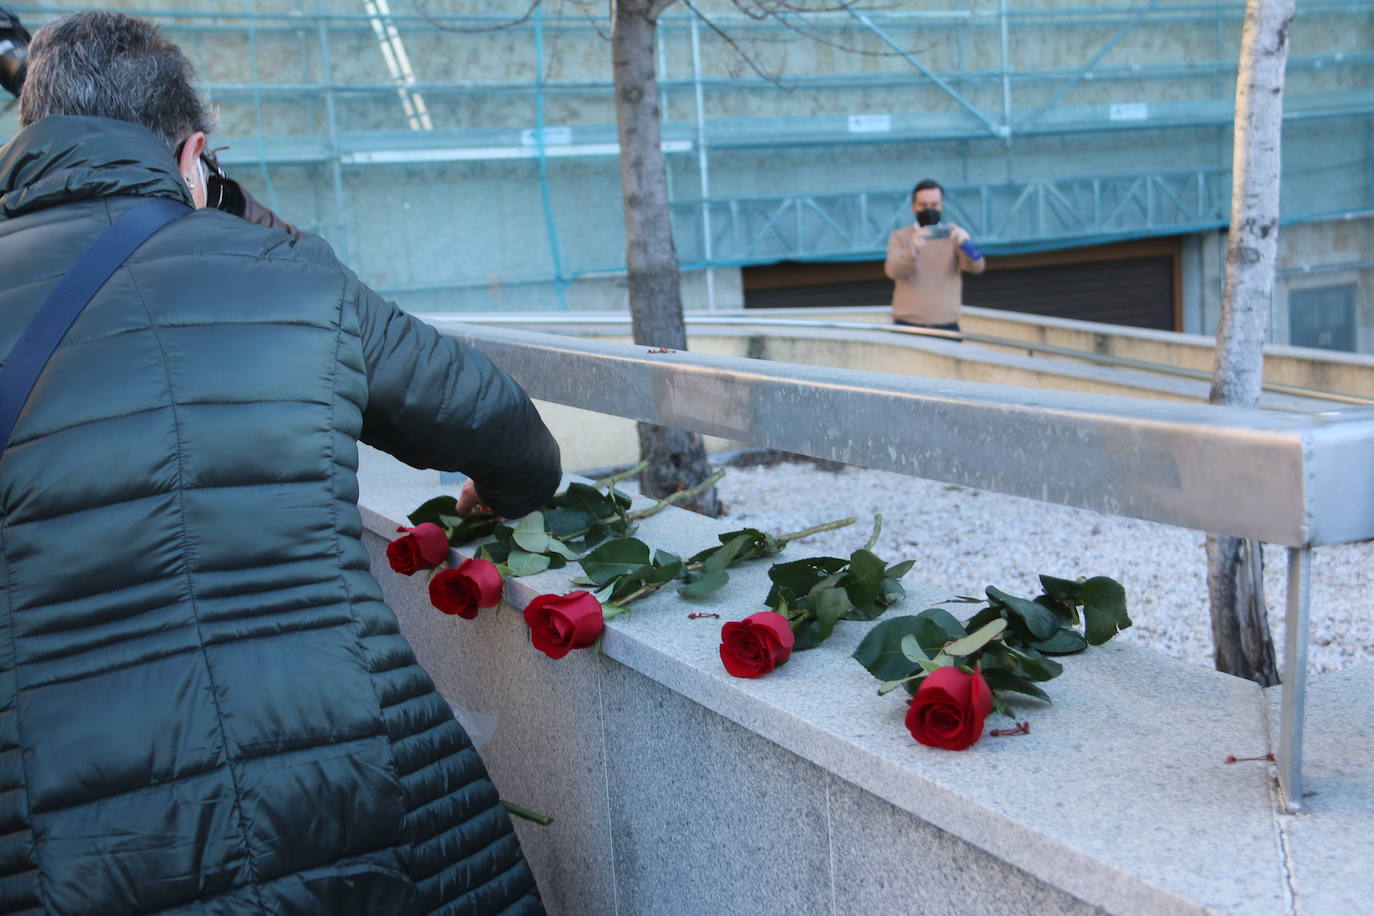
676, 458
1235, 585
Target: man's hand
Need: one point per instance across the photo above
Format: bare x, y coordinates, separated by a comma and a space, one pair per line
958, 235
918, 240
468, 501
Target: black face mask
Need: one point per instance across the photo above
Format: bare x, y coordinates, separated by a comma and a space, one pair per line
927, 217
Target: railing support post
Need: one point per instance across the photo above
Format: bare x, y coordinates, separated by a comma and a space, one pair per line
1294, 690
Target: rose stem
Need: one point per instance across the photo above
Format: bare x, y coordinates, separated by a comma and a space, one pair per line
1231, 758
646, 590
677, 497
877, 530
623, 475
542, 819
815, 529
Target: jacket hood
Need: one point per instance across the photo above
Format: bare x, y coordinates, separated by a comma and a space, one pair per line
62, 159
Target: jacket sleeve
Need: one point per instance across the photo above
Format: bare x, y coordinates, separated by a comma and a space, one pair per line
970, 266
434, 401
900, 262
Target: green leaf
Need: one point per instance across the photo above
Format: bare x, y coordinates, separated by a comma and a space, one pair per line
705, 585
432, 510
625, 586
1035, 620
887, 687
1061, 589
977, 639
725, 554
562, 549
615, 558
530, 534
524, 563
1001, 679
911, 648
621, 499
1001, 706
827, 603
1066, 613
864, 579
867, 612
802, 575
985, 616
880, 651
897, 570
563, 522
1063, 642
664, 559
471, 528
660, 573
893, 591
586, 499
944, 623
1035, 666
751, 543
1104, 609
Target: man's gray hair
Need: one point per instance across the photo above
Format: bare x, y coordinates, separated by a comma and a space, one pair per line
110, 65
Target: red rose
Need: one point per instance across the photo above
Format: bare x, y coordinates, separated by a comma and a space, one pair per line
473, 584
426, 546
560, 623
949, 708
756, 645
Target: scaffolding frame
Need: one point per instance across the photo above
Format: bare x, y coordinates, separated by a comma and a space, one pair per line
1015, 212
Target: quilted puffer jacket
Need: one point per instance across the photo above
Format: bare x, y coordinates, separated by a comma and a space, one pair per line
205, 706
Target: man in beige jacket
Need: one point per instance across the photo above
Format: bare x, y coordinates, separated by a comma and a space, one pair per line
926, 262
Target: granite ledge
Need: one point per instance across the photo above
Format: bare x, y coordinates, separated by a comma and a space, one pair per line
1119, 796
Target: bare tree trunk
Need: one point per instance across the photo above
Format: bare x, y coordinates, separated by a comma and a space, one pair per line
676, 458
1235, 584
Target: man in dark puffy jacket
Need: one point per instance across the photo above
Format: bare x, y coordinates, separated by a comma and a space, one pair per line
205, 707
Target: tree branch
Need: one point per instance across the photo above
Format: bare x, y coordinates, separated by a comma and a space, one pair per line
421, 9
773, 78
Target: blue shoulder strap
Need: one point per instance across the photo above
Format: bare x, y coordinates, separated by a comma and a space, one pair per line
57, 313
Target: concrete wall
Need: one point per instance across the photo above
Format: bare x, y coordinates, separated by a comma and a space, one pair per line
1311, 255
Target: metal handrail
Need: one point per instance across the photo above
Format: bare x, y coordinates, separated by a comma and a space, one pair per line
1015, 343
1278, 477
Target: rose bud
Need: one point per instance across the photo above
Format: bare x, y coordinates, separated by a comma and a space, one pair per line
949, 708
560, 623
473, 584
425, 547
756, 645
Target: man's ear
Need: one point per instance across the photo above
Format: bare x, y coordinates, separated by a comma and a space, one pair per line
191, 149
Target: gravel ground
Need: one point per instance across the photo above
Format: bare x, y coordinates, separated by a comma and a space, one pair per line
969, 539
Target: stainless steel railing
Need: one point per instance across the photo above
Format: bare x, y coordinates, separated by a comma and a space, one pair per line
1284, 478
